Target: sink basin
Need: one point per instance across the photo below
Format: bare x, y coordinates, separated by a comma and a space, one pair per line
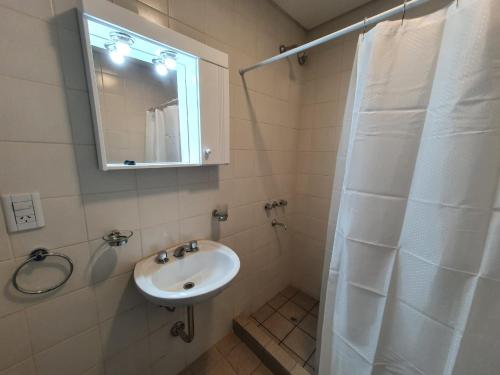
194, 278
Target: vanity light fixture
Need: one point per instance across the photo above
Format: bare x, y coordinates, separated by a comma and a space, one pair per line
122, 41
114, 54
169, 59
119, 46
160, 67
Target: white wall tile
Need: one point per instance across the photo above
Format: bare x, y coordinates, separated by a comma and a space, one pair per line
36, 8
33, 111
116, 295
190, 12
198, 227
123, 330
160, 237
73, 356
131, 361
28, 34
60, 318
14, 340
26, 367
158, 206
156, 178
5, 248
93, 180
49, 169
108, 211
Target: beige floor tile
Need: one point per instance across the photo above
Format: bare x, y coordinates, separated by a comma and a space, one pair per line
304, 301
222, 368
315, 310
289, 292
309, 370
243, 360
292, 354
259, 334
312, 360
262, 370
301, 343
278, 326
263, 313
242, 320
205, 362
225, 345
299, 370
281, 356
309, 324
277, 301
292, 312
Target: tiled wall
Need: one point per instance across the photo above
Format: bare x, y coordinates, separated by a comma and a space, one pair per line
326, 79
98, 323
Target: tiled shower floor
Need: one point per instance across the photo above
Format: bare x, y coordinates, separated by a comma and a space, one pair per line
291, 317
284, 327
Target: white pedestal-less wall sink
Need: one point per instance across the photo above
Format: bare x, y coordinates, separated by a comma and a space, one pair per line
192, 278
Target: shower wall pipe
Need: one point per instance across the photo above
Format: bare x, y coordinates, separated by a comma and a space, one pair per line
361, 25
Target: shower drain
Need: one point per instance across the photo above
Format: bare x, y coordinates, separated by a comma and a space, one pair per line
188, 285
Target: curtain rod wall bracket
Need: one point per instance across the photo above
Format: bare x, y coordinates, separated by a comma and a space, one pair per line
301, 56
409, 4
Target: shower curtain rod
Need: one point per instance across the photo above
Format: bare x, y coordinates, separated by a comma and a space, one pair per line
407, 5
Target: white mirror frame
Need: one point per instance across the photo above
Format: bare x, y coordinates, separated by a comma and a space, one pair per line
125, 19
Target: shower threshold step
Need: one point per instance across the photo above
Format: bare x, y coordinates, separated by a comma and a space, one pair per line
282, 332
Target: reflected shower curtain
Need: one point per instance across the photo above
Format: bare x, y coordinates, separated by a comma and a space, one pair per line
162, 135
414, 282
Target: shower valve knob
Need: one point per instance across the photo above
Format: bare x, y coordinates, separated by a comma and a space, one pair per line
282, 202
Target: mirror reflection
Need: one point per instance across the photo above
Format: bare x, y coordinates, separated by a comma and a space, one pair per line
147, 97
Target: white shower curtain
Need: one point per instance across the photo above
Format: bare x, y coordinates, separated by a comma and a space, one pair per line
414, 281
162, 135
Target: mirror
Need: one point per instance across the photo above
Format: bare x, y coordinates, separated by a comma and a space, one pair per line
146, 93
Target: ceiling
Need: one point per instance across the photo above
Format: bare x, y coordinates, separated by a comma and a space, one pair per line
311, 13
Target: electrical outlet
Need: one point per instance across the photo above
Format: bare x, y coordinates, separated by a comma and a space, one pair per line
23, 211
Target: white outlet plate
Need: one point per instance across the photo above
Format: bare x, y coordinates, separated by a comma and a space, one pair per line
23, 211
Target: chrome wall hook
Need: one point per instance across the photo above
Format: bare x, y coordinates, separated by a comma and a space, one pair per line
220, 215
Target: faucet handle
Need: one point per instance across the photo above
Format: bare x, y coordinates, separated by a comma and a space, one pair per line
282, 202
162, 257
193, 246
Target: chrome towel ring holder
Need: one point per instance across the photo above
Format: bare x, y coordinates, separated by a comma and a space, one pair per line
39, 255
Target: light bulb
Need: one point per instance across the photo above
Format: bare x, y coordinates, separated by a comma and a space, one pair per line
161, 69
123, 48
170, 63
116, 57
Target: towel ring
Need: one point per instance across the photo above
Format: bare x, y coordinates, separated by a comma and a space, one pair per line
39, 255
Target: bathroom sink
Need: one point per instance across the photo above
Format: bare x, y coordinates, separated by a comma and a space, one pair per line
195, 277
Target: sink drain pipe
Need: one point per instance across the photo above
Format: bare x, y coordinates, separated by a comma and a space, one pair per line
178, 329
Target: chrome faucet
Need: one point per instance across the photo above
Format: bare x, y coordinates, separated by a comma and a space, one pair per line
180, 251
190, 247
162, 257
277, 223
